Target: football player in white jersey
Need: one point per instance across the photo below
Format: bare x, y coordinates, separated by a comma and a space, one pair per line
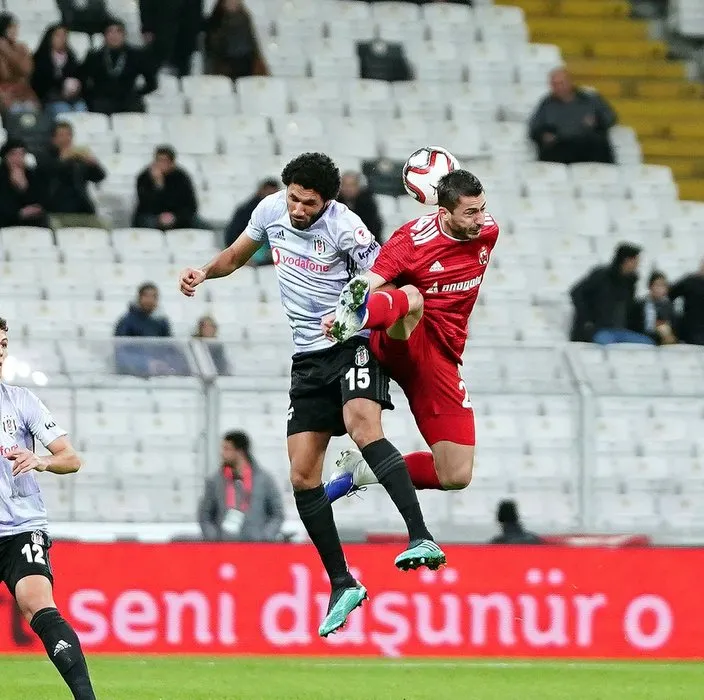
317, 246
24, 540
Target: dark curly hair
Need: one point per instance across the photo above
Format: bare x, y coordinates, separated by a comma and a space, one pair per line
3, 325
456, 184
313, 171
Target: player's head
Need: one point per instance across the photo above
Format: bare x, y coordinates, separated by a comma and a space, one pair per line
3, 343
235, 448
148, 297
462, 203
312, 180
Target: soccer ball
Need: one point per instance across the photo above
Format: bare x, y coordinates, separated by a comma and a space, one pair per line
423, 171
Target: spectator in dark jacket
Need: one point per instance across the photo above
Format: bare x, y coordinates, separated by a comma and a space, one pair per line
23, 191
242, 501
231, 45
70, 169
691, 290
170, 30
604, 298
513, 531
243, 213
166, 197
654, 314
361, 201
57, 72
153, 358
571, 125
111, 74
207, 330
141, 319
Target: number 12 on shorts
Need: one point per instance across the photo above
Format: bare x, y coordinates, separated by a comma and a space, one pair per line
358, 378
34, 554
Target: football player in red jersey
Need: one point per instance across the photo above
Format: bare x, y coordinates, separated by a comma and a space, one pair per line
436, 265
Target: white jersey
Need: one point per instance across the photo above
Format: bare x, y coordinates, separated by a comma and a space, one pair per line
24, 420
312, 265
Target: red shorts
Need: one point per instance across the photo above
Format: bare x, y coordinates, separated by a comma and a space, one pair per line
432, 382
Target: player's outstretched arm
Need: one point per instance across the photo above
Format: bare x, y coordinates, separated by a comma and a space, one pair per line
222, 265
63, 459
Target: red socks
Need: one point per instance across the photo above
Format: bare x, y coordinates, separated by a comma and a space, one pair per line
385, 308
421, 467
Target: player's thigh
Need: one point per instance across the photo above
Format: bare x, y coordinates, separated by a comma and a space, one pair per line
28, 573
404, 327
364, 388
306, 454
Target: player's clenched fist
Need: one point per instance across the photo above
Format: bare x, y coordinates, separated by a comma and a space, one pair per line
190, 278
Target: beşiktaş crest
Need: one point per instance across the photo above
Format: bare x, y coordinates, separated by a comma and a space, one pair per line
9, 425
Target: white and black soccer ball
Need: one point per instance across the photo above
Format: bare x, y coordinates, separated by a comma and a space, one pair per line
423, 171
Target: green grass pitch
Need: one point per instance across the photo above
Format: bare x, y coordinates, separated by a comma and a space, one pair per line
250, 678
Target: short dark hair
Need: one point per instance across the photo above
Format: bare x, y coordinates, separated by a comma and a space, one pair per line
165, 150
238, 439
507, 512
113, 22
61, 125
3, 324
147, 287
456, 184
313, 171
656, 275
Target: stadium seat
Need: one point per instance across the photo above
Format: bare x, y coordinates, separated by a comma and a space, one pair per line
263, 96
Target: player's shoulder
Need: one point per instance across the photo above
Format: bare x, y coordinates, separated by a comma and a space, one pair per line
272, 207
20, 396
490, 229
342, 217
421, 230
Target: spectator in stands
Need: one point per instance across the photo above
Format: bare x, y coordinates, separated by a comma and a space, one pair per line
571, 125
243, 213
166, 198
231, 45
242, 501
513, 531
361, 201
691, 290
654, 314
111, 74
57, 71
170, 30
23, 191
16, 65
142, 321
207, 330
603, 299
70, 169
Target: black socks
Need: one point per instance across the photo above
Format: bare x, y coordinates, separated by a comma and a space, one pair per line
389, 468
64, 651
316, 514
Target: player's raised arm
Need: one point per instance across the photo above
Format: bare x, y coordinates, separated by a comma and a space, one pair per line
230, 259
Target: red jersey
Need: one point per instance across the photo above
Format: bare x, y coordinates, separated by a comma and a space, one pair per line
448, 272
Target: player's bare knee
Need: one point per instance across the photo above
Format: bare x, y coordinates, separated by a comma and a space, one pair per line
302, 480
32, 601
458, 476
363, 422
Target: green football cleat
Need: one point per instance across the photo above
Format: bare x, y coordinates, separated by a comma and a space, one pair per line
342, 602
421, 553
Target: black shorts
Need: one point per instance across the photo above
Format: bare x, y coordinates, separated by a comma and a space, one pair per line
26, 554
323, 382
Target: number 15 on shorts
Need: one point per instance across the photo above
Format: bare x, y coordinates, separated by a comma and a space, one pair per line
357, 378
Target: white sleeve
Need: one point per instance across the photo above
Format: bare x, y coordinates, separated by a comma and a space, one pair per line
256, 228
39, 421
357, 241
